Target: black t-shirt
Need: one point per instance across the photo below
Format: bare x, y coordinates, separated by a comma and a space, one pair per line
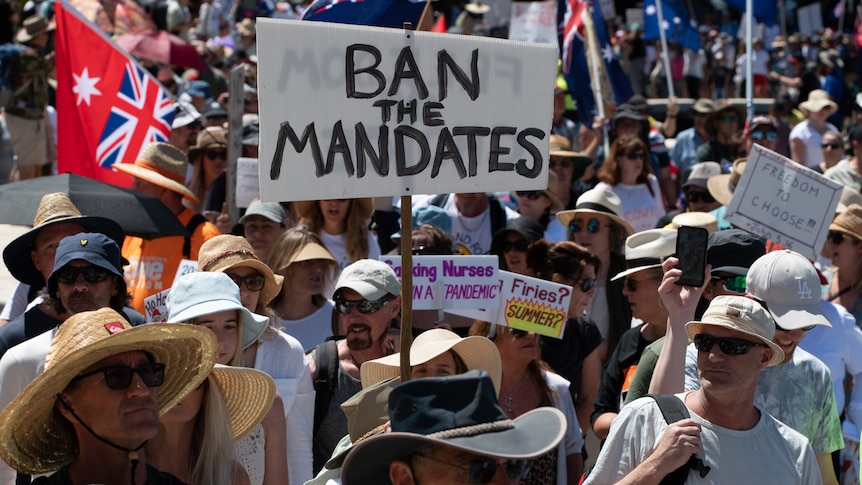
623, 362
566, 356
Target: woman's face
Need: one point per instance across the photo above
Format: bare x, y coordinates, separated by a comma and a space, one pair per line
593, 231
631, 165
641, 290
335, 213
515, 253
441, 366
248, 298
844, 250
580, 299
564, 170
305, 277
226, 326
215, 161
517, 346
185, 410
533, 203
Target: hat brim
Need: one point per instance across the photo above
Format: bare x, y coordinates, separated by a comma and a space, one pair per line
737, 270
694, 328
795, 317
312, 251
248, 395
719, 189
565, 217
815, 106
16, 254
23, 37
253, 325
368, 291
534, 433
157, 179
634, 270
33, 440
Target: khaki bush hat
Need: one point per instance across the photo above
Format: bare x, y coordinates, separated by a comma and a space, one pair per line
161, 164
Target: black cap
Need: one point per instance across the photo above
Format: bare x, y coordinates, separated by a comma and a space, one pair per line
733, 251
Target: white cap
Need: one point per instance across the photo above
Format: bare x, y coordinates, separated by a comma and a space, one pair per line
788, 283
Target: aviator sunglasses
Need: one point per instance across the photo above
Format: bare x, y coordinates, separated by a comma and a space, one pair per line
364, 306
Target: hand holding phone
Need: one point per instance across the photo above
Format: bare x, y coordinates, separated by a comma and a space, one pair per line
691, 252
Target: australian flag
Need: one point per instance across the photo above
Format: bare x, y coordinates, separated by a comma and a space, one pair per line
678, 25
379, 13
765, 11
109, 109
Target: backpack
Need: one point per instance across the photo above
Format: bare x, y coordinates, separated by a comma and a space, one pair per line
326, 365
673, 410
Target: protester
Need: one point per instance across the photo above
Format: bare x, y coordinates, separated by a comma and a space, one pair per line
476, 217
844, 247
263, 223
542, 206
512, 243
848, 172
696, 189
342, 225
69, 418
209, 158
570, 167
724, 123
185, 127
684, 152
806, 137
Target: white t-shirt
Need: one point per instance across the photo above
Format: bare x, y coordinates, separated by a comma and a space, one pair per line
641, 209
472, 235
16, 303
335, 243
770, 452
311, 330
812, 139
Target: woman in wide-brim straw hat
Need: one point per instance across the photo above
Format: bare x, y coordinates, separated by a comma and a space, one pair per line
342, 225
806, 136
844, 246
596, 223
209, 159
37, 439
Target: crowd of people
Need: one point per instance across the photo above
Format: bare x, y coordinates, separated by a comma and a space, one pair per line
277, 357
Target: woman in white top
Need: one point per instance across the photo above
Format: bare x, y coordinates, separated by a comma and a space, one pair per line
342, 225
627, 173
807, 136
308, 269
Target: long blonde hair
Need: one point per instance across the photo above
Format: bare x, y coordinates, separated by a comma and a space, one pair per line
212, 442
355, 232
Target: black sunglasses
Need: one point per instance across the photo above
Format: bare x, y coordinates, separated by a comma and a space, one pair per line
92, 274
636, 156
531, 194
587, 284
213, 154
593, 225
252, 282
833, 146
697, 196
119, 377
364, 306
480, 472
836, 237
520, 245
632, 284
562, 163
728, 345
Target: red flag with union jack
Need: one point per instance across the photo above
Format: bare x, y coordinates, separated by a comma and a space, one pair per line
109, 108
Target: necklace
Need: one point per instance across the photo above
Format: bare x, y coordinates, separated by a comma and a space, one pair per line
507, 402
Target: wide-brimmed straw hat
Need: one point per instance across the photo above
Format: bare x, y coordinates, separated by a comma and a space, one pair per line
742, 315
704, 220
224, 252
721, 186
597, 201
849, 222
35, 439
33, 26
648, 249
208, 137
161, 164
461, 412
197, 294
818, 100
476, 352
248, 395
54, 208
304, 208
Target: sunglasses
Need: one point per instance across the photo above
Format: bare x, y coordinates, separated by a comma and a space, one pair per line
697, 196
480, 472
520, 245
213, 154
735, 284
586, 284
834, 146
424, 251
593, 225
194, 125
635, 156
632, 284
119, 377
561, 163
836, 237
761, 135
364, 306
92, 274
728, 345
252, 282
532, 195
518, 333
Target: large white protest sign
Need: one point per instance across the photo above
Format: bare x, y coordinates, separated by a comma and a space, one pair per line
354, 111
534, 22
443, 282
784, 202
529, 304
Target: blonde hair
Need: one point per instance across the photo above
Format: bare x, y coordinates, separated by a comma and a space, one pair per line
289, 244
355, 229
212, 441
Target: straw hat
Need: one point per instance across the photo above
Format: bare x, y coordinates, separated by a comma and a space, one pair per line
309, 252
33, 26
818, 100
34, 439
597, 201
304, 208
648, 249
246, 28
208, 137
695, 219
721, 186
248, 395
54, 208
849, 222
224, 252
161, 164
197, 294
477, 8
476, 352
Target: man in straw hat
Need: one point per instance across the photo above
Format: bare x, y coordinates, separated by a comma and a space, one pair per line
798, 389
724, 123
99, 400
30, 131
734, 439
452, 430
30, 257
160, 172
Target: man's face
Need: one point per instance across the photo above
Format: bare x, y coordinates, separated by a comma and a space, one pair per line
126, 417
262, 234
788, 340
764, 135
627, 127
81, 295
45, 245
728, 374
441, 464
364, 329
724, 284
700, 121
185, 137
727, 123
700, 200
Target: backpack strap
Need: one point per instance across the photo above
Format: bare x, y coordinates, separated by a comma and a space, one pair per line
498, 214
192, 226
326, 366
673, 410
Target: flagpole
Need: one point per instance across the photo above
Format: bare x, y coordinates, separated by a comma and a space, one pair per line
596, 77
665, 57
749, 60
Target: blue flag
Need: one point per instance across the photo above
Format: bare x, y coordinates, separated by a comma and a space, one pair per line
678, 25
617, 77
379, 13
764, 10
574, 56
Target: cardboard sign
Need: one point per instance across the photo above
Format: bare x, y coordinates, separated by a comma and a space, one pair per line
156, 307
529, 304
452, 281
534, 22
784, 202
355, 111
186, 266
247, 181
